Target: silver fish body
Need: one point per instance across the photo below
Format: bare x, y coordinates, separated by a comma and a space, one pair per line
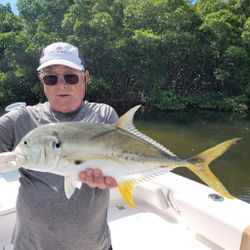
119, 150
67, 148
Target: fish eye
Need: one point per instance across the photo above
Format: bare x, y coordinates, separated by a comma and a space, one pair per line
56, 144
26, 142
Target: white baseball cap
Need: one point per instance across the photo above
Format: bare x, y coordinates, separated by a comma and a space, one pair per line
61, 54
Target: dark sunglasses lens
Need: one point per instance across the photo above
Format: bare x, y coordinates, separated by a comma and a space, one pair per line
71, 78
50, 79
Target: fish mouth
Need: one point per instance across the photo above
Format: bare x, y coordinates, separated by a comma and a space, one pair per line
20, 159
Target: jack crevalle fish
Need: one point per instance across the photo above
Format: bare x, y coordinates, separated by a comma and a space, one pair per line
119, 150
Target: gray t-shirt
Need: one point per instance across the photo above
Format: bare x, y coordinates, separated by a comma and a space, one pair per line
47, 220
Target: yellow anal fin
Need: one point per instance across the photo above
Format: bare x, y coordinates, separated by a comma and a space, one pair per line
126, 189
199, 166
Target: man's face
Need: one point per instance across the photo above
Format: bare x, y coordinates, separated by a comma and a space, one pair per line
62, 96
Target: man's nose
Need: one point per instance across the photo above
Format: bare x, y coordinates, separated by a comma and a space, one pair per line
61, 80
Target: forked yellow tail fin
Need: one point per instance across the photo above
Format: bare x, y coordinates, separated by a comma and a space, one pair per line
199, 166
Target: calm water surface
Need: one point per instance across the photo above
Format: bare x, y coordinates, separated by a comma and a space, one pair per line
189, 133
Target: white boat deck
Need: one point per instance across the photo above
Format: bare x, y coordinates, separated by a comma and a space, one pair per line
173, 213
146, 228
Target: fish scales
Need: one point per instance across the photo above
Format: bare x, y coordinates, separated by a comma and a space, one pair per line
118, 143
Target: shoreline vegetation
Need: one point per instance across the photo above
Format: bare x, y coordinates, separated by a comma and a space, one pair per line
164, 54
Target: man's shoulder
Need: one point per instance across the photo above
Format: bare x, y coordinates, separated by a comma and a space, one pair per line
29, 112
95, 106
104, 111
24, 111
38, 107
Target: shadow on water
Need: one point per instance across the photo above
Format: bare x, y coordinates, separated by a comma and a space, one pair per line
189, 133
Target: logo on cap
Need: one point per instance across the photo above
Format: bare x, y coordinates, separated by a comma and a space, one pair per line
59, 48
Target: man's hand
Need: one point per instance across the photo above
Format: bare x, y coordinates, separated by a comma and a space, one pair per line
94, 178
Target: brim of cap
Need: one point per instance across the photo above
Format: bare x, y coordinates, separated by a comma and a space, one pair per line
60, 62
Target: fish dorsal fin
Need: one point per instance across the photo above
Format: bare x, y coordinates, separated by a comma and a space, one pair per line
125, 122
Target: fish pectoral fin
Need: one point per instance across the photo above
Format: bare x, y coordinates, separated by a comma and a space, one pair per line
126, 189
7, 162
70, 184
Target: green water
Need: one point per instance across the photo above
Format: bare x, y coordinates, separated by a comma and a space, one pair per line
186, 134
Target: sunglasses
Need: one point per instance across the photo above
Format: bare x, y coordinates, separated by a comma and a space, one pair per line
52, 79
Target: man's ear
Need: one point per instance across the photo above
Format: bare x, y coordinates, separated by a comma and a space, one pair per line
40, 76
86, 77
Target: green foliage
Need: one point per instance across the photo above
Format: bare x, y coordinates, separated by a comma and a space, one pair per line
95, 85
217, 101
205, 7
168, 100
246, 34
168, 54
233, 71
37, 90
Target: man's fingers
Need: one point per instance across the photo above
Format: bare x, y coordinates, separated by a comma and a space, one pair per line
110, 182
99, 179
90, 177
94, 178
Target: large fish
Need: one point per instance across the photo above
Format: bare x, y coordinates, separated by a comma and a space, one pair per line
119, 150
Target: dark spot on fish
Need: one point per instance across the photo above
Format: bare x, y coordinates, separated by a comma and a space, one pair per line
77, 162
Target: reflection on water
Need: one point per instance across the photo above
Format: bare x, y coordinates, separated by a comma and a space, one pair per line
187, 134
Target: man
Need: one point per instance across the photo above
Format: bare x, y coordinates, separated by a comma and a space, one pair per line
47, 220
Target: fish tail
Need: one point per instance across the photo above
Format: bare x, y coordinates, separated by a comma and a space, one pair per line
199, 165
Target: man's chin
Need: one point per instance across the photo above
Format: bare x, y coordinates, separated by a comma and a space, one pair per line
65, 105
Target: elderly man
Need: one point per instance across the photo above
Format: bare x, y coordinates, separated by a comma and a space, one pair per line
47, 220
